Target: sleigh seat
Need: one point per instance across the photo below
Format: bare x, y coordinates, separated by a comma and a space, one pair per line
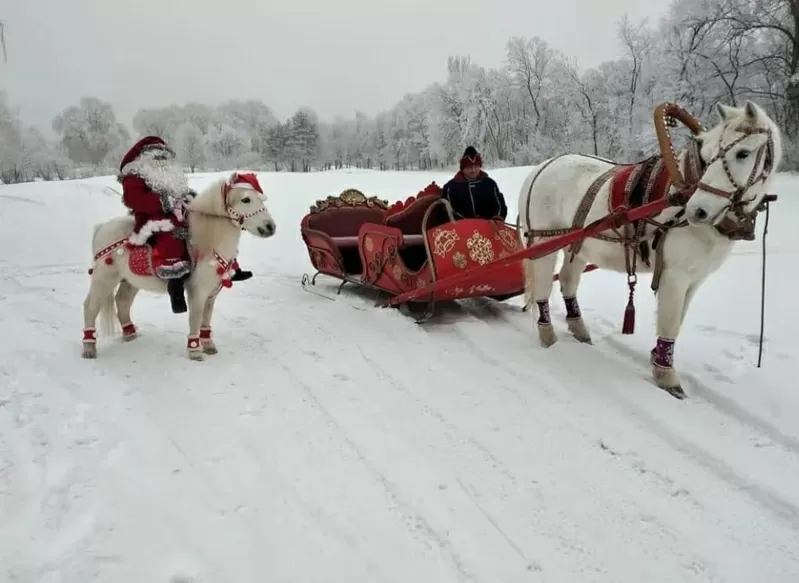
330, 231
409, 217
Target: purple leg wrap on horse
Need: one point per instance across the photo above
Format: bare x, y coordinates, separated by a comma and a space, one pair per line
543, 313
663, 353
572, 309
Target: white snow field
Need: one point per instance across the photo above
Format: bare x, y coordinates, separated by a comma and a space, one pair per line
339, 445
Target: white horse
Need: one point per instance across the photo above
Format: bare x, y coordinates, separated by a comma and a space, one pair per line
728, 168
216, 218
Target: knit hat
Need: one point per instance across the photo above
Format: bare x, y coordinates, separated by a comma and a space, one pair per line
471, 157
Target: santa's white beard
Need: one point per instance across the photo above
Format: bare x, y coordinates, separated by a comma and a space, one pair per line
162, 176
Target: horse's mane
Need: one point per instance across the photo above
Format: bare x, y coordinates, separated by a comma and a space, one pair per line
208, 219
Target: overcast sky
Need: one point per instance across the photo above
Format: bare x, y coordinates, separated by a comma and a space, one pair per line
335, 56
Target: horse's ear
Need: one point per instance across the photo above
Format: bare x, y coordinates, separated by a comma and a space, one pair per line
751, 110
725, 112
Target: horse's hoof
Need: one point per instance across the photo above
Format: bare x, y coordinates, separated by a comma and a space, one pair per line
667, 379
676, 392
210, 349
89, 351
129, 337
196, 355
546, 335
579, 330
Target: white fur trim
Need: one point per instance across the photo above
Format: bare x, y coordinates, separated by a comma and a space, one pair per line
244, 185
148, 229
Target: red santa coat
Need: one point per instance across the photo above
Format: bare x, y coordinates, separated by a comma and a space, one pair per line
149, 192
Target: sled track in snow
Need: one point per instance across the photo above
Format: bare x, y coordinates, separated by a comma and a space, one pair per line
602, 330
633, 404
704, 393
415, 522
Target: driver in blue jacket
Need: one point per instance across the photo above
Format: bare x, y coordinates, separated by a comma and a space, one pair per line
472, 193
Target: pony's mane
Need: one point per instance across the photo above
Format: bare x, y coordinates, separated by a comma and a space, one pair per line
209, 201
208, 220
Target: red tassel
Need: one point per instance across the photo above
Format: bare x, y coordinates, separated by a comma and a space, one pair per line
220, 270
628, 326
227, 283
109, 260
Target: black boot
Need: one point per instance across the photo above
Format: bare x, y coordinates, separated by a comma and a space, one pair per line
177, 295
241, 275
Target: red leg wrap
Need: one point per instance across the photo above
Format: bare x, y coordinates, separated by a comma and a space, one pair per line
128, 329
89, 335
193, 343
205, 333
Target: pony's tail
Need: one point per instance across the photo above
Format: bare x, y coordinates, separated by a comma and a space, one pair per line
108, 312
108, 317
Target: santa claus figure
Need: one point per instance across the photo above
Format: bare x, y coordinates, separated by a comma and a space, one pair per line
156, 190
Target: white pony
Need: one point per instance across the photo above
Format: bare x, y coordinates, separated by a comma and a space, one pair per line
216, 217
716, 185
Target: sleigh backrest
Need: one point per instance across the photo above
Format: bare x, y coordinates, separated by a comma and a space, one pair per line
407, 215
343, 215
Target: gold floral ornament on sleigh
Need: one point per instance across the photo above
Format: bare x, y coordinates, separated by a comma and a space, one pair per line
480, 248
444, 241
349, 198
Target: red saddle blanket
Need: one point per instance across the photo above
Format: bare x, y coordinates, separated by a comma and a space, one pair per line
634, 185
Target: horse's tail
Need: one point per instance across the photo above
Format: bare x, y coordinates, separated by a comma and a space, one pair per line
528, 267
527, 264
529, 282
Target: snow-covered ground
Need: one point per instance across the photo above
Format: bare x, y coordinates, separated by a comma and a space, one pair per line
328, 444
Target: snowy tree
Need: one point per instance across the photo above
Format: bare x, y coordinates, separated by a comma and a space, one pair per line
253, 118
304, 139
190, 145
226, 145
89, 131
25, 153
278, 145
154, 122
537, 104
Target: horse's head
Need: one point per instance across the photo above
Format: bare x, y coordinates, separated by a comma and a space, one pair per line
738, 157
245, 204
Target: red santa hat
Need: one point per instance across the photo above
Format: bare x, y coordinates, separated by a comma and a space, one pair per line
246, 180
146, 143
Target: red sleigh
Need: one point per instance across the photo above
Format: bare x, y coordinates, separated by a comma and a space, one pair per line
409, 246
